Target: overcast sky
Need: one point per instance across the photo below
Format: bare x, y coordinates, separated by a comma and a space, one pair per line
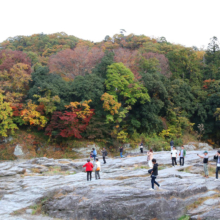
187, 22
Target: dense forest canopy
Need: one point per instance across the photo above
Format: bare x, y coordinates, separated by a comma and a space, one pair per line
115, 89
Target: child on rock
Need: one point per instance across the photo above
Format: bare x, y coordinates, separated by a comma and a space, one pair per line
97, 169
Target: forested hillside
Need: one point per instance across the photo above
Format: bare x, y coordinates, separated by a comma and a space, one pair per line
123, 89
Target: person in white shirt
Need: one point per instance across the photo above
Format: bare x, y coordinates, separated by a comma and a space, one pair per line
97, 169
174, 156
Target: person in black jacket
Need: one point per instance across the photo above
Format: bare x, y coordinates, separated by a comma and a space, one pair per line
217, 158
141, 147
121, 151
154, 174
171, 145
104, 154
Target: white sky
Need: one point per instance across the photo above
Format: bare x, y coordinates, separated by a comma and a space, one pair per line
188, 22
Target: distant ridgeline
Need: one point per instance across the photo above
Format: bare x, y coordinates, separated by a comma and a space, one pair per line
122, 89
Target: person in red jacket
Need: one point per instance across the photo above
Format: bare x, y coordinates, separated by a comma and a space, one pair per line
89, 167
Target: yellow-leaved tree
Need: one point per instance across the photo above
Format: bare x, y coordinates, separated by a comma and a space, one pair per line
81, 109
31, 116
14, 83
48, 102
6, 123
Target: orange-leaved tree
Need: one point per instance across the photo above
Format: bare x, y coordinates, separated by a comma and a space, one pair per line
111, 105
31, 116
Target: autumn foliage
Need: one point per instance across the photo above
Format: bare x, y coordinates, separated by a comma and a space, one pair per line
70, 123
71, 63
32, 117
114, 89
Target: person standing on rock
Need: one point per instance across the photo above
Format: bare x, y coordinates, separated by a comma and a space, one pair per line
174, 156
154, 174
182, 156
104, 154
217, 158
171, 145
89, 167
141, 147
97, 169
205, 163
94, 153
121, 151
149, 158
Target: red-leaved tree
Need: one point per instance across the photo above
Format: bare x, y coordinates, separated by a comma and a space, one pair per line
70, 123
71, 63
164, 62
129, 58
8, 58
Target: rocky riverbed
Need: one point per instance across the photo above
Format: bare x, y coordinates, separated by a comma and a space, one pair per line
58, 188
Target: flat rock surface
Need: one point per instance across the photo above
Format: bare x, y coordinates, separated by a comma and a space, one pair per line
60, 186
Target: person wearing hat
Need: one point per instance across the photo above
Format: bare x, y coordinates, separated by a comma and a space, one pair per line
217, 158
205, 163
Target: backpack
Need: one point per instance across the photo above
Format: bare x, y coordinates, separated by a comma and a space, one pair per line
106, 153
150, 170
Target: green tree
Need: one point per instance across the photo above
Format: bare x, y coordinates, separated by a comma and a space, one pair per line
101, 68
42, 82
121, 83
89, 87
184, 64
211, 69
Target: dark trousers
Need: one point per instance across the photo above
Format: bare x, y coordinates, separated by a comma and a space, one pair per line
181, 161
104, 159
141, 150
154, 182
217, 169
97, 176
89, 175
174, 161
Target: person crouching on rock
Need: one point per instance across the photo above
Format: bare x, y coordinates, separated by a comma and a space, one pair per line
94, 153
205, 163
89, 167
154, 174
97, 169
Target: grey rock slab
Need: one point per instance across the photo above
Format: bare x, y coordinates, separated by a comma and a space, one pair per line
7, 173
6, 165
212, 202
121, 193
197, 211
29, 211
18, 150
211, 214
